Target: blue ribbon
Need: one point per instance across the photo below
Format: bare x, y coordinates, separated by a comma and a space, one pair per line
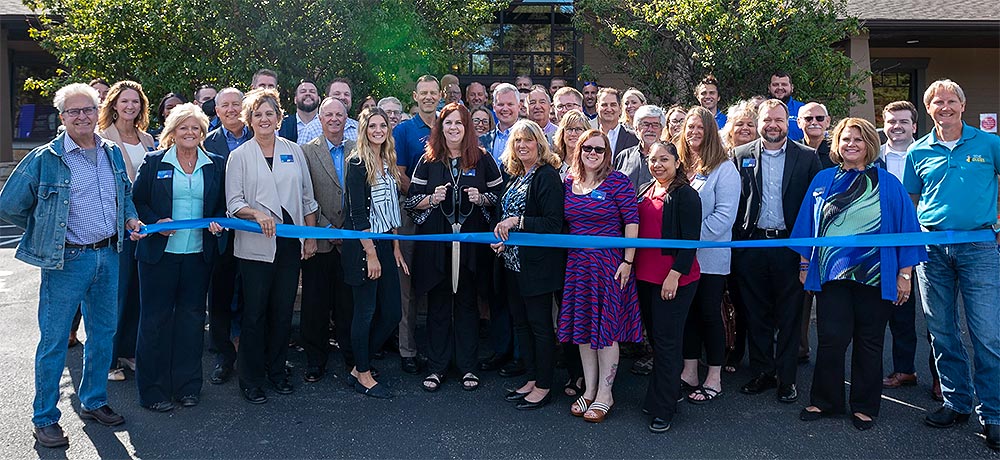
594, 242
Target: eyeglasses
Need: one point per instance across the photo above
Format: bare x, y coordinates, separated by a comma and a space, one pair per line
591, 148
819, 118
645, 125
88, 111
567, 106
576, 130
394, 112
481, 121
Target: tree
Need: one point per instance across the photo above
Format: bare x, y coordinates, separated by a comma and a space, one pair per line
175, 45
667, 46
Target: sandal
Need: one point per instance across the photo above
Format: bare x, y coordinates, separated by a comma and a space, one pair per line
707, 394
470, 382
729, 368
432, 383
572, 388
580, 406
686, 389
599, 408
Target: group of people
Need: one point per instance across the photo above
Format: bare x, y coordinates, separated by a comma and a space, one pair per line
525, 158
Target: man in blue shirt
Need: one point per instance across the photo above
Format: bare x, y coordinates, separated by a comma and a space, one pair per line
707, 93
506, 105
74, 202
781, 87
411, 139
951, 173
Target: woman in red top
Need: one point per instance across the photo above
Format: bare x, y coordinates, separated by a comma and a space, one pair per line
668, 278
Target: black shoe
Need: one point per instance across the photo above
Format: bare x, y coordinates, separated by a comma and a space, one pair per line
51, 436
524, 404
220, 375
162, 406
945, 417
103, 415
658, 425
379, 391
254, 395
409, 365
513, 369
759, 384
787, 393
809, 416
378, 355
282, 387
992, 433
189, 400
862, 425
514, 396
494, 362
804, 359
314, 374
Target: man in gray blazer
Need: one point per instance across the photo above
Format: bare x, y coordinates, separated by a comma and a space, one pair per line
322, 275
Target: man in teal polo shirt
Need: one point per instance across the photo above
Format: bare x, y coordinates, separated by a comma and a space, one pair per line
951, 173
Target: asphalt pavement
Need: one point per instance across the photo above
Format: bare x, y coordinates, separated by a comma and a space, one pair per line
328, 420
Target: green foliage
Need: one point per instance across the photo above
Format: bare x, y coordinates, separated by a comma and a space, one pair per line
175, 45
667, 46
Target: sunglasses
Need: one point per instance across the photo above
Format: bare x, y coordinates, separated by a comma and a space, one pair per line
591, 148
819, 118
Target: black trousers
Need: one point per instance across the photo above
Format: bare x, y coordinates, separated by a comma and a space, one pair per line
223, 293
453, 324
501, 324
645, 312
849, 312
769, 285
666, 329
903, 325
704, 322
534, 330
735, 357
323, 292
171, 327
269, 297
377, 308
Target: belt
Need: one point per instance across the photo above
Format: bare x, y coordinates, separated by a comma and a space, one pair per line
98, 245
768, 233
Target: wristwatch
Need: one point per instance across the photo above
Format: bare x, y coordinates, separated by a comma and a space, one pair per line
905, 276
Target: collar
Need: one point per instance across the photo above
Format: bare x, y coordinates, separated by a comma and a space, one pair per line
887, 150
299, 120
229, 134
497, 132
69, 145
781, 151
171, 158
330, 146
350, 123
967, 133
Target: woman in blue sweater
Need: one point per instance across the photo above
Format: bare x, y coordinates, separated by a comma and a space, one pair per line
856, 287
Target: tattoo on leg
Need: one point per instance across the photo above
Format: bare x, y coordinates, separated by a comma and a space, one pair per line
610, 380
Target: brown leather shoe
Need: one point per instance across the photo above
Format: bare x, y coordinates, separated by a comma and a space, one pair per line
899, 379
51, 436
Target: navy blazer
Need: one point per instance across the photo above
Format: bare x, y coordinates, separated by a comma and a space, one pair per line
216, 143
154, 200
289, 129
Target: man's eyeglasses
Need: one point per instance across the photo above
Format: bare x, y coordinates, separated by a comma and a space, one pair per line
567, 106
88, 111
819, 118
644, 126
591, 148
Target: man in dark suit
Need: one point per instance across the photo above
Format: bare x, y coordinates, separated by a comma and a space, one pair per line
323, 275
775, 174
223, 295
609, 112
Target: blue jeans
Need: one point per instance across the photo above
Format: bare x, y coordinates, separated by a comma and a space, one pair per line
89, 278
972, 269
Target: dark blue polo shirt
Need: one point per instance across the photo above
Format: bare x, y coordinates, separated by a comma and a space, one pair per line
411, 138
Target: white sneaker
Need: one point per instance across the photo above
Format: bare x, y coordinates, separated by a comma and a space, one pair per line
116, 375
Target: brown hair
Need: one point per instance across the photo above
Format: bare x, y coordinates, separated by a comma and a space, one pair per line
573, 116
578, 170
900, 106
258, 97
868, 133
712, 153
108, 114
437, 147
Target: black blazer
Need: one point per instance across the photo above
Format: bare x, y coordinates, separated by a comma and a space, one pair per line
153, 198
288, 128
543, 269
681, 221
801, 165
215, 142
625, 140
357, 208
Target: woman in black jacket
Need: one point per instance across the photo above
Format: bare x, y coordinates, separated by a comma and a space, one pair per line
668, 278
372, 205
532, 203
454, 188
181, 182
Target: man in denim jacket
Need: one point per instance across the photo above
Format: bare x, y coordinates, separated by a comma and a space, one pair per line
73, 199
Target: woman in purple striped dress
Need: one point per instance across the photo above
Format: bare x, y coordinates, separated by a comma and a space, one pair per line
600, 307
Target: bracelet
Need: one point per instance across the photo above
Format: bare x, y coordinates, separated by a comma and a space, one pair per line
520, 222
627, 262
803, 269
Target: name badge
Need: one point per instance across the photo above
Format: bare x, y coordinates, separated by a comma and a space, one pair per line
165, 174
701, 176
598, 195
819, 191
749, 162
287, 159
471, 172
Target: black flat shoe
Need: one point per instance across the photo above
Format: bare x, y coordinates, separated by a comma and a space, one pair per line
862, 425
409, 365
514, 396
524, 404
512, 369
189, 401
658, 425
378, 391
759, 384
254, 395
282, 387
494, 362
787, 393
945, 417
313, 375
162, 406
220, 375
809, 416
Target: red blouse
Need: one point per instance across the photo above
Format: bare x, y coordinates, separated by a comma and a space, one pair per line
651, 265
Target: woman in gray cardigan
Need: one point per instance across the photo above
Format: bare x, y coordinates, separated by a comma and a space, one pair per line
718, 184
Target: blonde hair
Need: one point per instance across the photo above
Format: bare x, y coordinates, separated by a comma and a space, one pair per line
258, 97
868, 133
630, 92
571, 117
943, 85
178, 115
545, 155
108, 115
742, 110
366, 155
